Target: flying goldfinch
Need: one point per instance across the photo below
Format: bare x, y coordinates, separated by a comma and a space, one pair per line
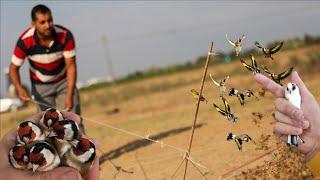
241, 95
226, 111
220, 84
254, 67
268, 52
196, 95
278, 77
237, 44
239, 139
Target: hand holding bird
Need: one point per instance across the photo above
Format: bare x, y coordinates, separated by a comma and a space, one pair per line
304, 122
7, 170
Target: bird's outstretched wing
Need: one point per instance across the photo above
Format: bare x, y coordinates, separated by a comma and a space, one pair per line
258, 44
215, 82
232, 43
250, 68
226, 105
220, 110
225, 80
276, 48
242, 38
251, 139
254, 62
285, 74
266, 70
239, 144
241, 98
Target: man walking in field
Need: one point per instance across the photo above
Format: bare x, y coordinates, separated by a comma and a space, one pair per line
50, 50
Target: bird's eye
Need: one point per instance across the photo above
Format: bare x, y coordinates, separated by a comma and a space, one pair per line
294, 87
287, 89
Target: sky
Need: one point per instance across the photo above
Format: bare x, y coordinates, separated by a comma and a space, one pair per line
144, 34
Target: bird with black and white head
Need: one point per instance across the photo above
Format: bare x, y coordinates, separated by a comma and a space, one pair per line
18, 157
63, 132
28, 132
81, 155
49, 118
43, 157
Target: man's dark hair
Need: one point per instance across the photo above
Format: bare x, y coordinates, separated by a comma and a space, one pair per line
40, 8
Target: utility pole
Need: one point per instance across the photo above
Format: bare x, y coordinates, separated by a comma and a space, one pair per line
110, 76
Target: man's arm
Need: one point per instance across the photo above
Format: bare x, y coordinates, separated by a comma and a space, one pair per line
15, 78
71, 68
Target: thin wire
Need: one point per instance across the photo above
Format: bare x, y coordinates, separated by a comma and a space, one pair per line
175, 171
130, 133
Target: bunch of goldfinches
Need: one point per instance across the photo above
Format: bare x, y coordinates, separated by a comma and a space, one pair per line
292, 92
54, 142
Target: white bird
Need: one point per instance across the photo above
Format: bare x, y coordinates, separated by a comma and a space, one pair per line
292, 94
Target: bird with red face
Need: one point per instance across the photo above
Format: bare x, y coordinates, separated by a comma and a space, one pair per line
18, 157
43, 157
28, 132
49, 118
81, 155
63, 132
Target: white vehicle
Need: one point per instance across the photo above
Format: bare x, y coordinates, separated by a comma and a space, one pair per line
10, 104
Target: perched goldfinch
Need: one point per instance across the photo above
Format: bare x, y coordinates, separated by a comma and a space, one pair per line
196, 95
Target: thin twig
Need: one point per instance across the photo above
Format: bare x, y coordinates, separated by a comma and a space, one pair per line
198, 103
141, 167
175, 172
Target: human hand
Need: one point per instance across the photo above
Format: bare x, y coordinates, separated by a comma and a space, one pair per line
23, 95
68, 104
304, 122
68, 173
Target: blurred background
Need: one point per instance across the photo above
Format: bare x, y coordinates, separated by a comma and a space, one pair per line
138, 60
135, 35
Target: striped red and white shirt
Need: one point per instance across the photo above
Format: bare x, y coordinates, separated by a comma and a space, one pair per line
47, 64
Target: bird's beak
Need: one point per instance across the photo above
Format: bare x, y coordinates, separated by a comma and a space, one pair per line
52, 134
74, 143
29, 166
35, 167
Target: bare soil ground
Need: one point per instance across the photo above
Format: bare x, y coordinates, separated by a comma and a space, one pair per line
167, 114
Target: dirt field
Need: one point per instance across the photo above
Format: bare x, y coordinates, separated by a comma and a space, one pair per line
167, 114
